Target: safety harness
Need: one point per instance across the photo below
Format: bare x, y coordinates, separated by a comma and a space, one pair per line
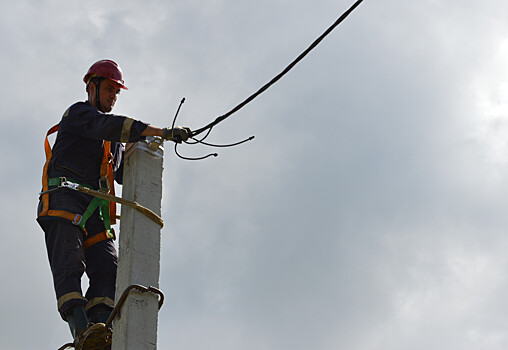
107, 209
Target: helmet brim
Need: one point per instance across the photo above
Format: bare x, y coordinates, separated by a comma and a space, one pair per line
119, 83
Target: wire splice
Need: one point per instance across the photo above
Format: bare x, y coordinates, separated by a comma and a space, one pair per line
201, 141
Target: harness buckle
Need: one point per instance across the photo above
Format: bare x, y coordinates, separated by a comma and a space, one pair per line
77, 219
67, 184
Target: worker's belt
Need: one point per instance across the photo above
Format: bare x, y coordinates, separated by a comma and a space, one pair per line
57, 182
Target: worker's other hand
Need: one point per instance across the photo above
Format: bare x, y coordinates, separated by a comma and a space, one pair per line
176, 134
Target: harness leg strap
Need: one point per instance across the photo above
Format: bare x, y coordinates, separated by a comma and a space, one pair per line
96, 239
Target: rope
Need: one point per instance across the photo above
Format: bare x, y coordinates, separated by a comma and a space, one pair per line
135, 205
145, 211
281, 74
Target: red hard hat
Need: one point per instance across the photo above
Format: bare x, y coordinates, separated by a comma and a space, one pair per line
106, 69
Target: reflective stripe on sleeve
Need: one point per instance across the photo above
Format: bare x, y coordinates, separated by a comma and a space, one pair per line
126, 130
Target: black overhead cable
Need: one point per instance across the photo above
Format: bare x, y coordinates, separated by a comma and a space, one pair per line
281, 74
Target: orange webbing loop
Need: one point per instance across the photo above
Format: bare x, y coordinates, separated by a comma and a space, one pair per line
95, 239
107, 172
75, 218
45, 185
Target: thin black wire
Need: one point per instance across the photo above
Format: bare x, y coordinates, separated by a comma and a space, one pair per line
201, 140
176, 144
228, 145
176, 115
281, 74
198, 158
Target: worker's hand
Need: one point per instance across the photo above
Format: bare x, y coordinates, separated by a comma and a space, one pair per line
177, 134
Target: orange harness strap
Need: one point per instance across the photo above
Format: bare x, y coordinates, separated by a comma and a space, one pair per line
107, 173
75, 218
45, 179
95, 239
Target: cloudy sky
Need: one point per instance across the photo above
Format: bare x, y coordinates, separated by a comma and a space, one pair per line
371, 210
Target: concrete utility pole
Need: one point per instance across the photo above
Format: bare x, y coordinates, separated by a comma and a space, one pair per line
135, 328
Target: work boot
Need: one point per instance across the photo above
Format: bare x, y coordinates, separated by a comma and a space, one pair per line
77, 320
99, 314
96, 337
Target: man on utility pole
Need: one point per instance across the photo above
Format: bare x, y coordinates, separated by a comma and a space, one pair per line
88, 151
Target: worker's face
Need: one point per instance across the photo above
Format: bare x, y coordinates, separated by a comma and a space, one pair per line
108, 93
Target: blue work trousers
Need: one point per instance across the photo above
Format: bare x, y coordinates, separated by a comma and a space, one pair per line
68, 261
